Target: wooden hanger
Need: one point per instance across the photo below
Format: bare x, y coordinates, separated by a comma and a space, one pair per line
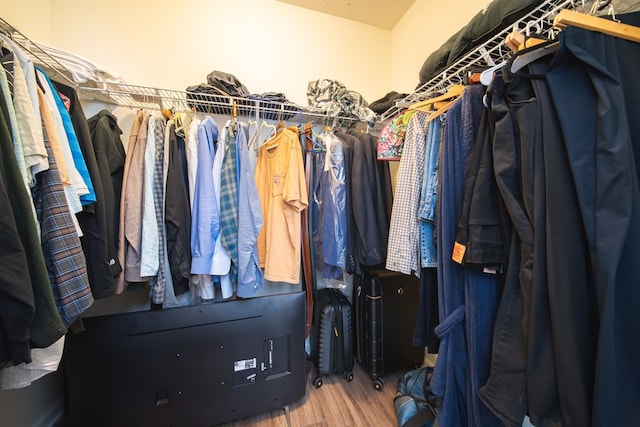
593, 23
453, 92
233, 130
514, 40
443, 109
531, 42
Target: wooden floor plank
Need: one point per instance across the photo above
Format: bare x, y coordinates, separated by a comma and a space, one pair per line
336, 403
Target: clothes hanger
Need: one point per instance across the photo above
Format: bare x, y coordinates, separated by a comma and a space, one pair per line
527, 56
514, 40
264, 125
312, 143
532, 39
593, 23
234, 119
251, 123
168, 114
453, 92
487, 75
442, 109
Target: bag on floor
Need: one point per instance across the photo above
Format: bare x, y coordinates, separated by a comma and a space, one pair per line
415, 404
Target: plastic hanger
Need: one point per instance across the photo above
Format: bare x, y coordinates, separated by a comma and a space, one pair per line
311, 139
593, 23
179, 124
264, 125
487, 75
249, 124
525, 57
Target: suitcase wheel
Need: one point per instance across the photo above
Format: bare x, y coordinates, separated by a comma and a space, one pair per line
348, 375
317, 382
378, 384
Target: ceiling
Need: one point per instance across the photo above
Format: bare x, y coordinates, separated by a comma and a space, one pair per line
379, 13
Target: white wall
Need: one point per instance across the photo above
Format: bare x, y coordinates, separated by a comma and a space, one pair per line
267, 45
423, 29
33, 20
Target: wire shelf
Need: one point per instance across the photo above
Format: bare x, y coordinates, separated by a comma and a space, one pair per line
153, 98
488, 54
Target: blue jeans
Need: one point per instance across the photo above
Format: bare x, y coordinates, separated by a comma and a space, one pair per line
427, 207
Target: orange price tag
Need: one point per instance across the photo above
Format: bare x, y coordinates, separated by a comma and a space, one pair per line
458, 252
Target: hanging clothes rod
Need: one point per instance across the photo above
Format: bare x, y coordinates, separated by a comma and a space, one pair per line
145, 97
488, 54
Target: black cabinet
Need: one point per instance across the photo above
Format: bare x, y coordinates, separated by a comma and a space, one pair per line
187, 366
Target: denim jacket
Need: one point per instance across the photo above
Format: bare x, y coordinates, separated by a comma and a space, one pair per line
427, 207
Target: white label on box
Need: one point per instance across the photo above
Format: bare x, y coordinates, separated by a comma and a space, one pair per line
243, 365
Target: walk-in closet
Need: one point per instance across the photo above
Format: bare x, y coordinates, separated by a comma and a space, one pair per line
339, 213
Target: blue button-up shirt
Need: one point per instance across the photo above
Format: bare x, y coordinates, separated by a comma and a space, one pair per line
250, 220
205, 223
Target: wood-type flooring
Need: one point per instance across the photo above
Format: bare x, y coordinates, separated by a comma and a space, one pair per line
337, 403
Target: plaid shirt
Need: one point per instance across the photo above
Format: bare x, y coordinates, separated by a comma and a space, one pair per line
60, 244
404, 233
229, 203
159, 284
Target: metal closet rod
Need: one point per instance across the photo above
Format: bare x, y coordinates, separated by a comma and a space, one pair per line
146, 97
488, 54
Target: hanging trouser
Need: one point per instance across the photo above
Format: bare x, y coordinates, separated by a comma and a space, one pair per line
572, 301
468, 298
523, 373
427, 319
593, 83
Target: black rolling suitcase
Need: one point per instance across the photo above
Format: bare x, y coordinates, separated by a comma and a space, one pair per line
385, 311
331, 335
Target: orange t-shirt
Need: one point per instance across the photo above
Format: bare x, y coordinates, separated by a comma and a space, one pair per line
283, 194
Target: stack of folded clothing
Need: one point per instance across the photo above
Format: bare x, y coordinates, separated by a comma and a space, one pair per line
336, 100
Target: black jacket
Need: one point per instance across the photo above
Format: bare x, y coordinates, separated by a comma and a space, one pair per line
46, 327
16, 294
110, 155
483, 224
178, 215
372, 199
98, 249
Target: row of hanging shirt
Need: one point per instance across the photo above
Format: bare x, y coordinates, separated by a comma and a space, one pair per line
83, 210
49, 187
227, 217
